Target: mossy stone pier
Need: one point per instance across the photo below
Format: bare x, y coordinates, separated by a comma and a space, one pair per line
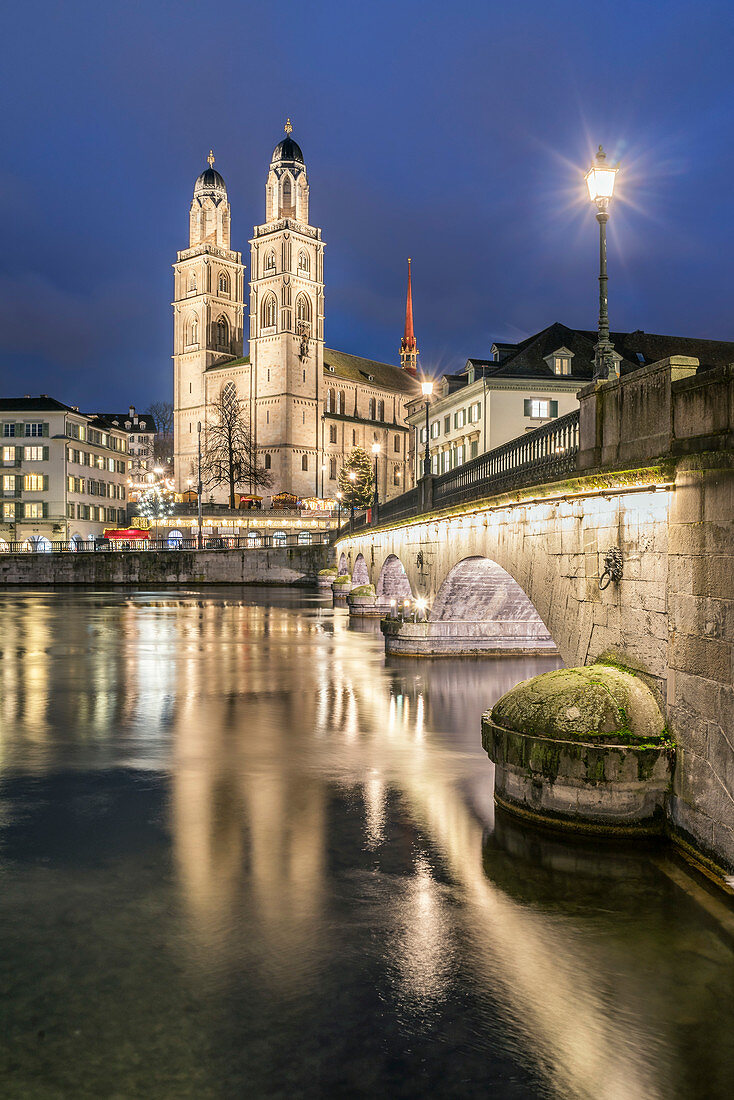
584, 749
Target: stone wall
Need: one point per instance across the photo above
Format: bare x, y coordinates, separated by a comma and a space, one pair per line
282, 565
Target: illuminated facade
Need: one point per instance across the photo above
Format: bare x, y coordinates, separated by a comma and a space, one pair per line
307, 405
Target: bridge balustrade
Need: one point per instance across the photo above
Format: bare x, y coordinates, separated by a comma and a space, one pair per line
542, 455
209, 542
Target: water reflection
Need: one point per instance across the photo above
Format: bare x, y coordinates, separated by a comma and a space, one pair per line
319, 850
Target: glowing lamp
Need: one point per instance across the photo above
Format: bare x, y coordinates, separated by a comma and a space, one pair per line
426, 388
600, 179
376, 448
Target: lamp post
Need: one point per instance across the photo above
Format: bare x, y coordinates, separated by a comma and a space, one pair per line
427, 391
199, 541
375, 451
600, 181
352, 477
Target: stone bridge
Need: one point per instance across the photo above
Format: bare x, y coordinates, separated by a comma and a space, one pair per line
510, 553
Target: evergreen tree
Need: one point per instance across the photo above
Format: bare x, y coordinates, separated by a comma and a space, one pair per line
357, 491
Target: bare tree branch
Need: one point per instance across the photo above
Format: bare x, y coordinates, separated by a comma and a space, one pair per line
228, 455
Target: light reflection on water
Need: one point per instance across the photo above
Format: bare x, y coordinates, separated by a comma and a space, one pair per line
240, 853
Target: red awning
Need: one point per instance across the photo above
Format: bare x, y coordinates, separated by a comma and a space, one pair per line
130, 533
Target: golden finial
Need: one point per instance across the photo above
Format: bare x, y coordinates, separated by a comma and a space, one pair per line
288, 128
210, 158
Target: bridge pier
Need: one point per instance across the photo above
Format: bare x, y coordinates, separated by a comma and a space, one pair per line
458, 638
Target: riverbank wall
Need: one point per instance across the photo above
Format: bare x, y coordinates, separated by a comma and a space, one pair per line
291, 565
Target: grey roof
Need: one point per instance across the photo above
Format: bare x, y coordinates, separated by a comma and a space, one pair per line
34, 404
637, 349
146, 422
369, 372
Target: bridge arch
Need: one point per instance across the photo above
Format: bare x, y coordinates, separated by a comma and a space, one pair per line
393, 582
478, 590
343, 565
360, 572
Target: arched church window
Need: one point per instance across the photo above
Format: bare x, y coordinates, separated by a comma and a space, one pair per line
304, 462
269, 311
221, 333
330, 401
303, 313
340, 402
332, 433
380, 410
224, 283
268, 462
192, 330
229, 394
270, 262
304, 264
287, 193
372, 408
332, 468
192, 283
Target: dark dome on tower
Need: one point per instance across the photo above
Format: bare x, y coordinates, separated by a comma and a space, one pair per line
288, 149
210, 179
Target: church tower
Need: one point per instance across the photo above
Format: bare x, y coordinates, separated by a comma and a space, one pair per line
208, 312
408, 346
287, 328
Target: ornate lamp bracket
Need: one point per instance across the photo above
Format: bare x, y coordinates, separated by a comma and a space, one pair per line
613, 568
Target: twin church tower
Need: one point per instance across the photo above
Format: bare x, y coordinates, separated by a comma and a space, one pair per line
307, 406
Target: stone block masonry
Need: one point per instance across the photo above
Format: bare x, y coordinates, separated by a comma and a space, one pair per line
292, 565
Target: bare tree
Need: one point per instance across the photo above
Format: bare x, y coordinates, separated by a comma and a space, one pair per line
162, 413
228, 455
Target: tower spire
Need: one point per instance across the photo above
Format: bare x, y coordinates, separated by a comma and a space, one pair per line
408, 344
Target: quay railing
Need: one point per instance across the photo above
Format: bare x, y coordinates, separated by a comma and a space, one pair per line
208, 542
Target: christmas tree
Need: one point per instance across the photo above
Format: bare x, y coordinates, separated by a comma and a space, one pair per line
356, 480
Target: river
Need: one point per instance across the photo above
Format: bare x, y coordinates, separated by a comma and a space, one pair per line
242, 854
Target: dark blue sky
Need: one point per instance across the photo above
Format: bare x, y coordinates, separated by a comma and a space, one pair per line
454, 133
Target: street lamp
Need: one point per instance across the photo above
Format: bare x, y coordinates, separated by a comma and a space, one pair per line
427, 391
352, 477
600, 181
375, 451
199, 539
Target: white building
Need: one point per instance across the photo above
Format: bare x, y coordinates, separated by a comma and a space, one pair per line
64, 474
526, 385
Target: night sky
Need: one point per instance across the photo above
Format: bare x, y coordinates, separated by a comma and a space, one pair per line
456, 133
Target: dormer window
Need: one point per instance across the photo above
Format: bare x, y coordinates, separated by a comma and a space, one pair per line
559, 362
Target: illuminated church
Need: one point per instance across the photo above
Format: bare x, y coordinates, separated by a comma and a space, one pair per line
308, 405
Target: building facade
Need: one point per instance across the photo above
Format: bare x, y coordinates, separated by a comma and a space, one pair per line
141, 431
64, 474
528, 384
307, 405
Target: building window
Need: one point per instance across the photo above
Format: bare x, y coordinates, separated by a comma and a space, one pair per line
423, 436
33, 483
460, 418
33, 454
396, 444
192, 331
303, 313
396, 475
435, 429
474, 448
192, 283
33, 511
340, 402
270, 263
332, 468
540, 410
562, 364
34, 429
221, 333
372, 408
380, 410
269, 311
447, 424
9, 483
354, 437
332, 433
304, 462
224, 284
9, 513
268, 461
304, 264
434, 464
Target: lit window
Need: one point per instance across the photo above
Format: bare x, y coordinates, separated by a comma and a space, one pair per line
9, 483
9, 513
33, 483
539, 409
33, 511
562, 364
435, 429
9, 454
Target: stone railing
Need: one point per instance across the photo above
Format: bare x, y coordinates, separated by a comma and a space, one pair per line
541, 455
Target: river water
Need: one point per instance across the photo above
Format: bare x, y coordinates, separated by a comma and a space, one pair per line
243, 855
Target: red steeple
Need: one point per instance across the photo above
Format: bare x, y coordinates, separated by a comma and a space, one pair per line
408, 345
